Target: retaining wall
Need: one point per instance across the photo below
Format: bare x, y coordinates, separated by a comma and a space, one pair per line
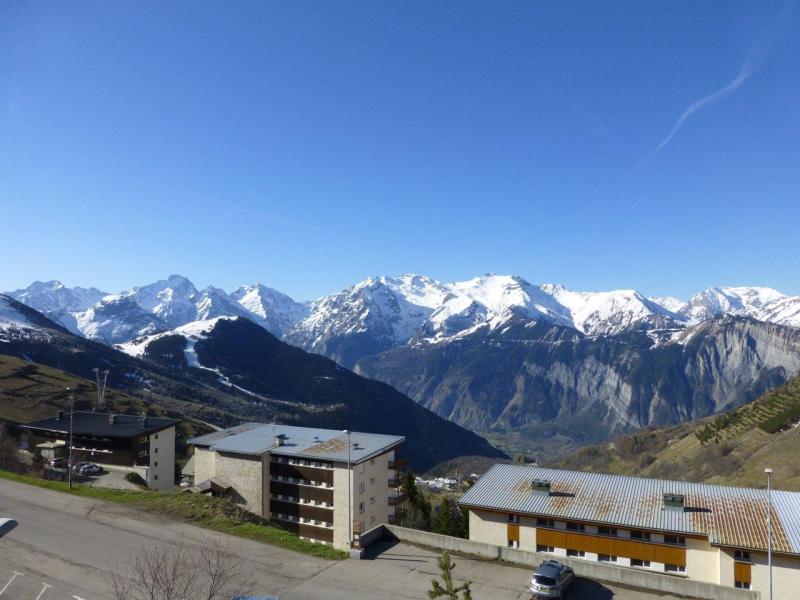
639, 578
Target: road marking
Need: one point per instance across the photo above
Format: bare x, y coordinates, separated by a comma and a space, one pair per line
13, 577
44, 588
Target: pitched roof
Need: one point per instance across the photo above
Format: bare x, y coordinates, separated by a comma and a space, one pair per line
729, 516
97, 423
307, 442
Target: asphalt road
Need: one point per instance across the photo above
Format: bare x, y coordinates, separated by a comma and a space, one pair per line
65, 548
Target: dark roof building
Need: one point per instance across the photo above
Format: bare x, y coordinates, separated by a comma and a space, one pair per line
101, 424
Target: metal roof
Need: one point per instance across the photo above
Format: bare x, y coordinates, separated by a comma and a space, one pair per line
728, 516
306, 442
97, 423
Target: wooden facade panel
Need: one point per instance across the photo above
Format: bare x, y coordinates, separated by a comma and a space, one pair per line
301, 510
612, 546
303, 492
513, 532
302, 472
742, 572
309, 531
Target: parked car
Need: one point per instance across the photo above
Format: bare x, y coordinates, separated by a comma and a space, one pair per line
89, 469
551, 579
58, 463
6, 525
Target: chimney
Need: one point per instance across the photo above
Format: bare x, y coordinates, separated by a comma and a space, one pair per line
541, 486
674, 500
59, 415
279, 440
112, 418
145, 421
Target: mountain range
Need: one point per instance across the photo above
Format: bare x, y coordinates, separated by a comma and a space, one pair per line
224, 370
494, 353
386, 312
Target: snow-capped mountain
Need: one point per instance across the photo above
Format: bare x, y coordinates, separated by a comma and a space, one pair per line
58, 302
277, 312
379, 313
762, 303
17, 319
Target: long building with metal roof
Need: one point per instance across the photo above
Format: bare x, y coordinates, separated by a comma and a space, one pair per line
323, 484
713, 533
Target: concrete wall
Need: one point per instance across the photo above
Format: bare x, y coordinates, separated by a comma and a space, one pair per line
161, 471
204, 464
657, 582
369, 485
489, 527
785, 576
703, 562
246, 477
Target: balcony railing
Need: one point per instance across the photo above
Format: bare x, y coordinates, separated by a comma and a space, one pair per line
393, 483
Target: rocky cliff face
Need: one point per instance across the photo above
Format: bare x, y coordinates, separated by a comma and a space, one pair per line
554, 379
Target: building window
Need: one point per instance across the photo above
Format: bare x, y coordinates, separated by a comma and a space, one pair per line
372, 500
675, 568
513, 518
361, 487
543, 548
743, 585
640, 535
546, 523
156, 463
156, 436
372, 461
155, 477
635, 562
743, 555
372, 520
576, 553
675, 539
602, 530
361, 507
576, 526
606, 558
156, 450
372, 481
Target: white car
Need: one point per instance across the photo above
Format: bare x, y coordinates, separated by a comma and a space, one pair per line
6, 525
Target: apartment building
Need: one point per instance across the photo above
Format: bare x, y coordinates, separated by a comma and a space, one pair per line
710, 533
145, 445
325, 485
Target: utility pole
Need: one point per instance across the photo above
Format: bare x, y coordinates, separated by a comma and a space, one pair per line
768, 471
101, 390
69, 449
349, 497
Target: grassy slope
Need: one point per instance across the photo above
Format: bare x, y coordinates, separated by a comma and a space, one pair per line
733, 448
197, 509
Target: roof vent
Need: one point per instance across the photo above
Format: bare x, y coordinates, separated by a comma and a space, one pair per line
59, 415
674, 500
145, 421
279, 439
112, 418
541, 486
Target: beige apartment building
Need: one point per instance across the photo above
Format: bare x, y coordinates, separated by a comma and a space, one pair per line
325, 485
710, 533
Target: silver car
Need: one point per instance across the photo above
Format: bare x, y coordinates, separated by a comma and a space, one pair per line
551, 580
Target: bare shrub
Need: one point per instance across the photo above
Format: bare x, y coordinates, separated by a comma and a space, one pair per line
182, 572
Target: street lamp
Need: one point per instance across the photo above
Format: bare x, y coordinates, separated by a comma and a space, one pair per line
768, 471
349, 499
69, 449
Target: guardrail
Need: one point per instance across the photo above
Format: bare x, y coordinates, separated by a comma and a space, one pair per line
656, 582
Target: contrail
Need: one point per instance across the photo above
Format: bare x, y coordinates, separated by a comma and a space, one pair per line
756, 57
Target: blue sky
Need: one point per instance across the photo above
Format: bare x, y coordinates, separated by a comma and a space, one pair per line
308, 145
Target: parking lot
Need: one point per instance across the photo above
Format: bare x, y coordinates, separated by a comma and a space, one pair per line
66, 547
30, 585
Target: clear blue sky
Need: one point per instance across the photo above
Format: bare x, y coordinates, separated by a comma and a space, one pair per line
308, 145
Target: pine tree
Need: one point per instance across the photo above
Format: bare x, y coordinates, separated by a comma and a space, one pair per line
448, 589
444, 523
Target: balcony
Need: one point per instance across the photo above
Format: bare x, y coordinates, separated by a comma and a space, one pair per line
393, 483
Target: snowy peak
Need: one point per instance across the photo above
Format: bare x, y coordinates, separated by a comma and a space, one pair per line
762, 303
17, 319
670, 303
606, 313
277, 312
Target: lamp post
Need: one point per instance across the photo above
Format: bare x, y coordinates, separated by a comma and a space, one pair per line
768, 471
349, 497
69, 449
